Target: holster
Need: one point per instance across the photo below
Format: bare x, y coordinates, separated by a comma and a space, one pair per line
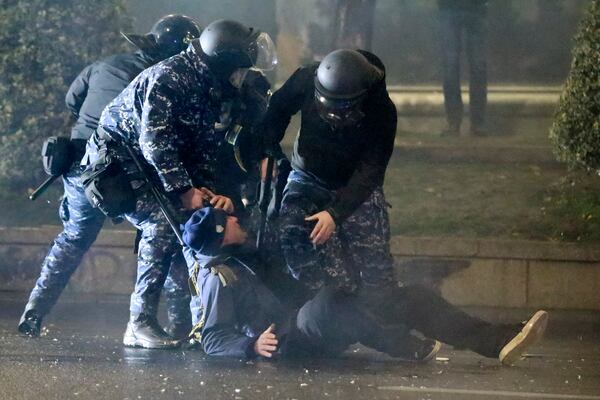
57, 155
110, 186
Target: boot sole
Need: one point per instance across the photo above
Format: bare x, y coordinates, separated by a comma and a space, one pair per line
135, 342
27, 330
436, 348
529, 335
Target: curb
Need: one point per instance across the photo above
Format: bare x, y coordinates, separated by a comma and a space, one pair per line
478, 154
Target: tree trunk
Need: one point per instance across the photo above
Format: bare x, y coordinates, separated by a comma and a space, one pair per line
353, 24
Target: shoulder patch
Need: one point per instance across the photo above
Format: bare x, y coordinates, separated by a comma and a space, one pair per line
225, 274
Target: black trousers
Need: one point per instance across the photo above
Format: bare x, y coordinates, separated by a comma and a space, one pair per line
456, 24
378, 318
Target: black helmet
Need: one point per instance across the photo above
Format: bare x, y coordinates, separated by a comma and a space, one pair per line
169, 35
229, 45
342, 82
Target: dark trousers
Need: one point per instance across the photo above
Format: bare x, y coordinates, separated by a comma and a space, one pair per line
455, 24
358, 251
81, 225
159, 256
333, 320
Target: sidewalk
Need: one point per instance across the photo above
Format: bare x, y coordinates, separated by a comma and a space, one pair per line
81, 356
467, 271
511, 100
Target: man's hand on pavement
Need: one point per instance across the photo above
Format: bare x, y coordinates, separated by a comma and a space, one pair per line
267, 343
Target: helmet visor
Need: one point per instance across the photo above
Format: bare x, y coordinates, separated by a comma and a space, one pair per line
339, 113
265, 53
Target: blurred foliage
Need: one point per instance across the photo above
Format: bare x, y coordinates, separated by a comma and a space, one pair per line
573, 204
576, 128
44, 44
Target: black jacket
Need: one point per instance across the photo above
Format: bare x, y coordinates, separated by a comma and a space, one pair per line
97, 85
352, 160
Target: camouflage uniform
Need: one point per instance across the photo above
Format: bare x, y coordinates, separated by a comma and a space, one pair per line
245, 110
81, 223
358, 250
90, 92
341, 171
167, 114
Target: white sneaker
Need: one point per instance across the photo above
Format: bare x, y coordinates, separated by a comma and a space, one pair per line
531, 333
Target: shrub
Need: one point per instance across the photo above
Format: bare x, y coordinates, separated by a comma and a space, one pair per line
44, 44
576, 128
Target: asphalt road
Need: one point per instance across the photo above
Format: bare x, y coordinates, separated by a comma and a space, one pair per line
80, 356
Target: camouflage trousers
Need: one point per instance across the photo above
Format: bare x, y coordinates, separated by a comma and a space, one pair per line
81, 225
358, 251
160, 263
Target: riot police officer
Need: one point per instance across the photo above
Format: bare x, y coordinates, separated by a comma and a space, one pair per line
334, 226
89, 93
167, 116
333, 217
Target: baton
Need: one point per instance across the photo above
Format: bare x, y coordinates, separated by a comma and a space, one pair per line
264, 200
157, 195
42, 188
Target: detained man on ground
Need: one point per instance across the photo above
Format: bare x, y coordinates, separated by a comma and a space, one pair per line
242, 316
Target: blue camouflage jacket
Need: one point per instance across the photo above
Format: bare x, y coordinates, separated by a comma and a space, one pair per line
168, 113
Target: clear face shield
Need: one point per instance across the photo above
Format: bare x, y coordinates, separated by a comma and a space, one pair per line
264, 55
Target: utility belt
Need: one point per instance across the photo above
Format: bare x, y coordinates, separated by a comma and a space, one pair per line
304, 185
112, 182
58, 156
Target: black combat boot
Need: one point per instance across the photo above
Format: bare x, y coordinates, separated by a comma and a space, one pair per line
30, 323
145, 331
178, 331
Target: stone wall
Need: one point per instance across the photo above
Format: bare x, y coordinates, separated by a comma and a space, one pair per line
468, 272
503, 273
109, 267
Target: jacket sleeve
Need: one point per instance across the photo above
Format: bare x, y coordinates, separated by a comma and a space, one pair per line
78, 90
371, 168
159, 139
284, 103
220, 336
